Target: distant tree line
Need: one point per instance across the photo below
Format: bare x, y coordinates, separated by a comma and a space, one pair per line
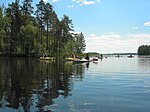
144, 50
24, 30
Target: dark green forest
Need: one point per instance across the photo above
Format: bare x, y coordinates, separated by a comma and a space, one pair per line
27, 30
144, 50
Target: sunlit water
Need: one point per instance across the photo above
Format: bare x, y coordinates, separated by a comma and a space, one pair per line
109, 85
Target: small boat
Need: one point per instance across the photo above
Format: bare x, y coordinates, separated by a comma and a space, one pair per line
95, 59
46, 58
118, 56
69, 59
130, 56
81, 60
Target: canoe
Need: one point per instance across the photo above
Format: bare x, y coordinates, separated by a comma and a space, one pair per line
77, 60
81, 60
46, 58
69, 59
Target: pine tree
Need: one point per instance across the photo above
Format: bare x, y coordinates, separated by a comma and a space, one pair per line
40, 17
14, 13
27, 10
79, 43
47, 20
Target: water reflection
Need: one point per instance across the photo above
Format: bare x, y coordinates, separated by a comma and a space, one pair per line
144, 63
31, 85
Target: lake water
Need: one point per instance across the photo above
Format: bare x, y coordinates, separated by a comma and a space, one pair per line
109, 85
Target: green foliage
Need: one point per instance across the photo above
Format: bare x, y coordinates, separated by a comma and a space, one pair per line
25, 31
27, 34
27, 11
79, 43
3, 23
144, 50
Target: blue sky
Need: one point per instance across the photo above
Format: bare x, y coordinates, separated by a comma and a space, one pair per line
108, 25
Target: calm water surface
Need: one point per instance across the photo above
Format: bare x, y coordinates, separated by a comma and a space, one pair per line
110, 85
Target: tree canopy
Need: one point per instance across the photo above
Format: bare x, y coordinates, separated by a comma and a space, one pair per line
24, 30
144, 50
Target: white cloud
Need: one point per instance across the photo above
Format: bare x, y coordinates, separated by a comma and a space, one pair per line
53, 1
93, 35
70, 6
88, 2
135, 28
85, 2
113, 43
45, 1
81, 2
147, 23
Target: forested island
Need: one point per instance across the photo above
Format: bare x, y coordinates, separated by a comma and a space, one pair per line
144, 50
30, 31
